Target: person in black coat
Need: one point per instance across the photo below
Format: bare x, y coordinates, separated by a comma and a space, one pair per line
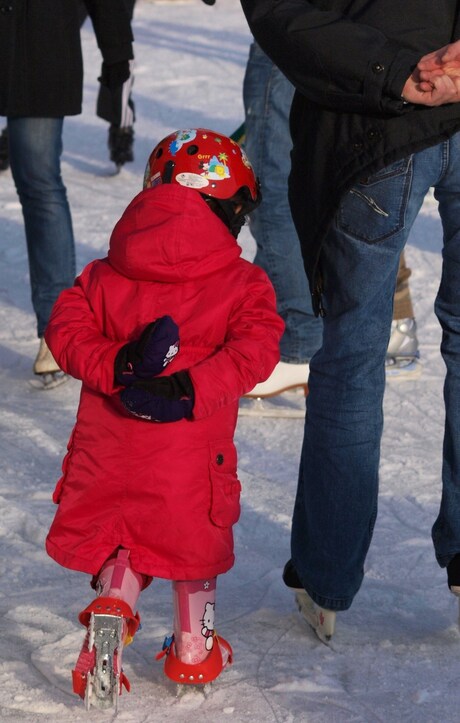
375, 123
41, 82
117, 108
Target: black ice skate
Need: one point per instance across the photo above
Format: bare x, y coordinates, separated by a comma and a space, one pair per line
121, 141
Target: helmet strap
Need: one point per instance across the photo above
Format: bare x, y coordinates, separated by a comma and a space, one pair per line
168, 171
225, 210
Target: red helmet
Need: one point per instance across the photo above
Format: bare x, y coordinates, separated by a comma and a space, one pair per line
204, 160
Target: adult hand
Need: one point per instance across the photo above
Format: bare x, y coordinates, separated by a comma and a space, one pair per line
164, 399
446, 61
439, 90
150, 354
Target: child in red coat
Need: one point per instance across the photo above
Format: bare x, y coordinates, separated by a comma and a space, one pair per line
149, 485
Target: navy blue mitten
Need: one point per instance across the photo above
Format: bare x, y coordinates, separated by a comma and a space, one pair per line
165, 399
150, 354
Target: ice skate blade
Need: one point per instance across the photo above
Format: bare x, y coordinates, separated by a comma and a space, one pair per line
400, 370
198, 690
282, 390
50, 380
322, 621
289, 405
103, 685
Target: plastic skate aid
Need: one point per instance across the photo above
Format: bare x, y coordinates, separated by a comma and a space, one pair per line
104, 607
197, 673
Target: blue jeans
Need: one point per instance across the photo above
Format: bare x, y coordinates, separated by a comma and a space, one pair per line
267, 98
35, 148
336, 503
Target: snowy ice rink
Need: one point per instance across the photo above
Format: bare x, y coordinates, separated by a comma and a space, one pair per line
396, 651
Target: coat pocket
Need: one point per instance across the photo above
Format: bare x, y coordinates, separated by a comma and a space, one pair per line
65, 464
225, 485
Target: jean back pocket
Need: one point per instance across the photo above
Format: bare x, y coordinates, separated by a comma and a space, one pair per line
375, 207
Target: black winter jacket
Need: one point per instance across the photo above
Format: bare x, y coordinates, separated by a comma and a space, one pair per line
41, 69
349, 60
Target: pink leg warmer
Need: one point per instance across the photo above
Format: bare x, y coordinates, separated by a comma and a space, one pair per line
194, 604
117, 579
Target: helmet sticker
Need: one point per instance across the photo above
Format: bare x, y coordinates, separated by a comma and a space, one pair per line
216, 169
181, 137
191, 180
147, 176
245, 159
156, 180
149, 180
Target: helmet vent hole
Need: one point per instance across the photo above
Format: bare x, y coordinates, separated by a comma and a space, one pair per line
159, 153
192, 150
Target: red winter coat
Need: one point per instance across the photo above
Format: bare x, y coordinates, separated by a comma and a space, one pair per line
167, 492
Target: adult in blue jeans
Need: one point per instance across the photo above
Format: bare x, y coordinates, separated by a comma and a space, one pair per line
267, 95
375, 122
41, 78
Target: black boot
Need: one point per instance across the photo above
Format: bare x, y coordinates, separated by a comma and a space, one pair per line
453, 574
4, 156
120, 144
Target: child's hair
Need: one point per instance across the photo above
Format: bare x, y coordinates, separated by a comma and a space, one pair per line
212, 164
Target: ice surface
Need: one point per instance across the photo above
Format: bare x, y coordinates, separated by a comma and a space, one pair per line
396, 651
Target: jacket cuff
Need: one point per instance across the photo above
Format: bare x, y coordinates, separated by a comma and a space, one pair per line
386, 77
403, 66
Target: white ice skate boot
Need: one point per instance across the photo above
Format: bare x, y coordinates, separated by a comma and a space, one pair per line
320, 619
283, 377
47, 369
402, 360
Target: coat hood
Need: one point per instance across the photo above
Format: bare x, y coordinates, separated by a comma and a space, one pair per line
169, 234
